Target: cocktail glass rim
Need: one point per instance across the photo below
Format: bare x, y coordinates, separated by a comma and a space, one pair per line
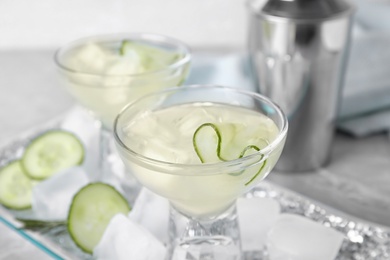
150, 37
178, 168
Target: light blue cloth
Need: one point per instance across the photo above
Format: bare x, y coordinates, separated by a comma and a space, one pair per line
373, 16
365, 105
228, 70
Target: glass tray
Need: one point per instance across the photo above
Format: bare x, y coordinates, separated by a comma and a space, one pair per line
362, 240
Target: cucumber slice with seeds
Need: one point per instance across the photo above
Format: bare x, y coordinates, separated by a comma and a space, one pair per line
15, 187
90, 212
221, 142
52, 152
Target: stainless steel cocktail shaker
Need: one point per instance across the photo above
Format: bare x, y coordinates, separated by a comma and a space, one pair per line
298, 51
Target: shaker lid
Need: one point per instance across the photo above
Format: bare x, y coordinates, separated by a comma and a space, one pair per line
302, 9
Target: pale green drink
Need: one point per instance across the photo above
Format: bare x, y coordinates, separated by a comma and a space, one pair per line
104, 74
168, 135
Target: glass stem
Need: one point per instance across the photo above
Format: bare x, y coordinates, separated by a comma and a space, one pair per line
204, 239
112, 169
105, 152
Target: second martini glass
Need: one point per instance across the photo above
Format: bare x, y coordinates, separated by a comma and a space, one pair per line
201, 147
106, 72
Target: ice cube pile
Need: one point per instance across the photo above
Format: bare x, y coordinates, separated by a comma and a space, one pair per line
51, 198
262, 225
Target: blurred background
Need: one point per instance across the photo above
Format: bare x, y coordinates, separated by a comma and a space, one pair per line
31, 31
49, 24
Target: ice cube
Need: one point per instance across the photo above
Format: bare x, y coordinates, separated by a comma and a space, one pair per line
125, 239
123, 66
295, 237
148, 125
52, 197
209, 249
91, 58
152, 212
189, 122
160, 149
256, 217
86, 128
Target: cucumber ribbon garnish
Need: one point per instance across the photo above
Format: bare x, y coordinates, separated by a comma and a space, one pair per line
215, 144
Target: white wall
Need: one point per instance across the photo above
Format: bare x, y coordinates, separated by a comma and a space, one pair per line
51, 23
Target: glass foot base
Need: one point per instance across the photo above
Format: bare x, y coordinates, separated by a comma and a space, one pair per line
204, 239
206, 248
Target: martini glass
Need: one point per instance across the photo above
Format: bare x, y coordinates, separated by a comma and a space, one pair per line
104, 73
195, 146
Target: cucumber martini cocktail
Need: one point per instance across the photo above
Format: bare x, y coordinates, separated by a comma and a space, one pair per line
201, 147
105, 73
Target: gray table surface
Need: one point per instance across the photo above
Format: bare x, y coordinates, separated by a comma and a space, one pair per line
356, 182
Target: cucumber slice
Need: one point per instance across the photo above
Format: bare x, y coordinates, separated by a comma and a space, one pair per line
15, 187
50, 153
90, 212
150, 57
209, 144
224, 142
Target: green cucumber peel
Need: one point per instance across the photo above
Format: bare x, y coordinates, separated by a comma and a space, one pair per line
258, 172
218, 150
122, 49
